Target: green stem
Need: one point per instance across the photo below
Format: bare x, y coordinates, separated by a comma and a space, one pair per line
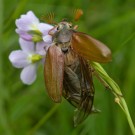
128, 116
1, 16
116, 91
43, 120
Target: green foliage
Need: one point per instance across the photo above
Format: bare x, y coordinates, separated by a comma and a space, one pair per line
22, 108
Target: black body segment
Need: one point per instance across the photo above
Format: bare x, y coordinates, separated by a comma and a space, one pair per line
78, 86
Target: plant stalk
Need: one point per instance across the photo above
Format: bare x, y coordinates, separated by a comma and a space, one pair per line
115, 89
43, 120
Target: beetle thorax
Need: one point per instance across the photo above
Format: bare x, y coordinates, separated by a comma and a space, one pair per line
64, 35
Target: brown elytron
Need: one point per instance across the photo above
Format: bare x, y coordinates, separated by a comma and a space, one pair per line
67, 69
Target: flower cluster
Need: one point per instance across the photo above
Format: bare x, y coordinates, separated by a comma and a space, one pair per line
34, 41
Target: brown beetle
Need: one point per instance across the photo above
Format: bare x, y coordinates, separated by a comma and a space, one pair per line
67, 70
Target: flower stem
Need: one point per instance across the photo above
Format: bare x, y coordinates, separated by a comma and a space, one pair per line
128, 116
43, 120
119, 99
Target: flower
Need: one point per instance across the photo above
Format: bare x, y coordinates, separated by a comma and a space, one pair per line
29, 28
34, 41
28, 58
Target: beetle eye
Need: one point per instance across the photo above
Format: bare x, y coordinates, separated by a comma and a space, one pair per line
70, 25
58, 28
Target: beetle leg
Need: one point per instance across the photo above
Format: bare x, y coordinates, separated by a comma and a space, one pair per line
75, 27
101, 80
104, 83
51, 33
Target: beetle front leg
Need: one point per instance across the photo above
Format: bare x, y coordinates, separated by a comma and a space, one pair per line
103, 82
75, 27
51, 33
100, 79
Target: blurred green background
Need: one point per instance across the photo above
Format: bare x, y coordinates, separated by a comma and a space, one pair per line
26, 110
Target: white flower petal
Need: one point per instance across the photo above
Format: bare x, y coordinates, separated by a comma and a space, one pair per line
47, 39
27, 46
19, 59
25, 22
32, 17
41, 48
24, 35
28, 74
44, 28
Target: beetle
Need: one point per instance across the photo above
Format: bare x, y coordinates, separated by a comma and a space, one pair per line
67, 69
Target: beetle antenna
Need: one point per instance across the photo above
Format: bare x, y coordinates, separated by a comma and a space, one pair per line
77, 14
49, 18
64, 20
